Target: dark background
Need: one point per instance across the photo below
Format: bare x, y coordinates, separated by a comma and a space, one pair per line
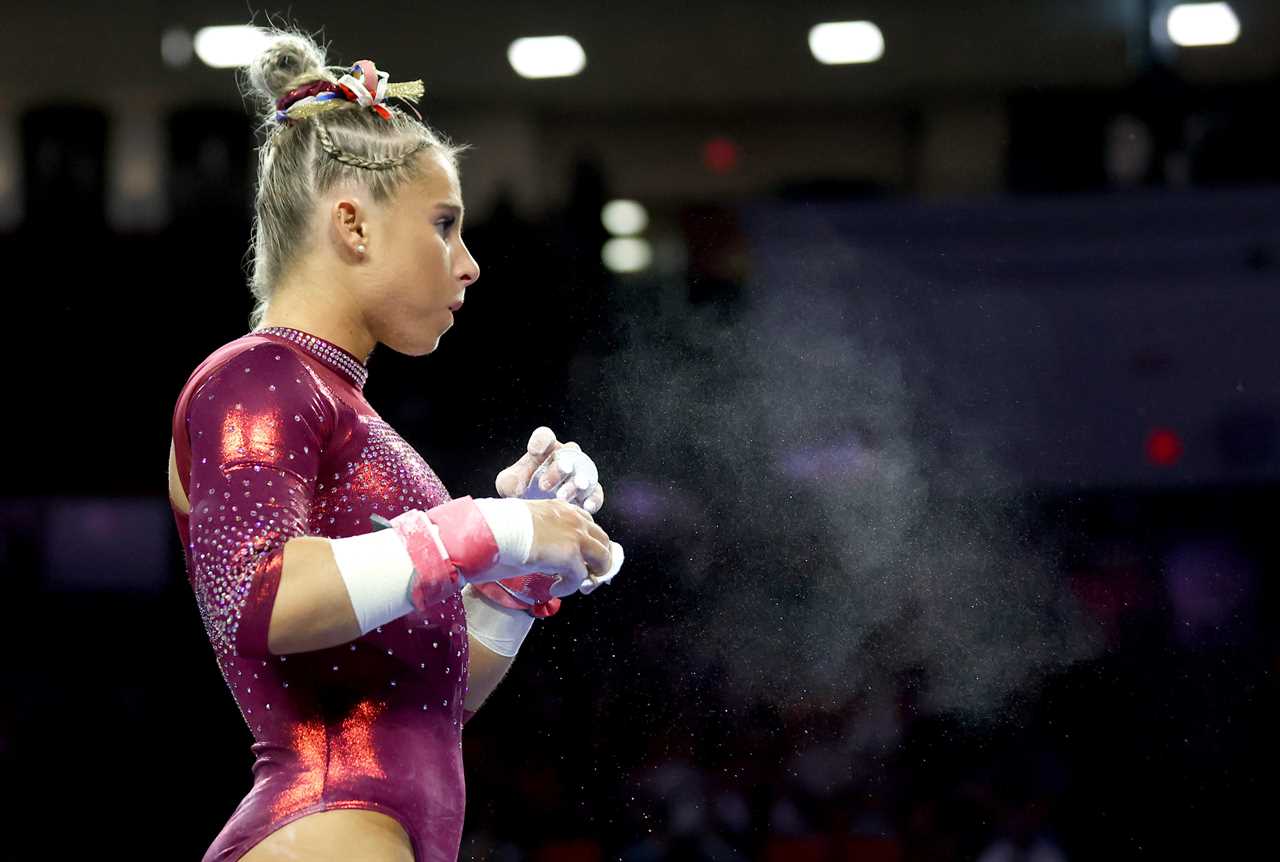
999, 308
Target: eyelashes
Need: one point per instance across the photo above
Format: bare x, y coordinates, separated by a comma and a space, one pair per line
446, 224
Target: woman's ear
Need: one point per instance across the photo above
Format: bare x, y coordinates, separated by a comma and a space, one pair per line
349, 222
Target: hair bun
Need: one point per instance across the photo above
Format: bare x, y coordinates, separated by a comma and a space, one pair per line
289, 61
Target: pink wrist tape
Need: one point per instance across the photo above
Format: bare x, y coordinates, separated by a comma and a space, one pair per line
467, 539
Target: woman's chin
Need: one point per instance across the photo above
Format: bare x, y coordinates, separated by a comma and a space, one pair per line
429, 348
416, 345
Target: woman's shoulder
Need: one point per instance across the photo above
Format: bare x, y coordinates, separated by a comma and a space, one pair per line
254, 353
260, 369
253, 345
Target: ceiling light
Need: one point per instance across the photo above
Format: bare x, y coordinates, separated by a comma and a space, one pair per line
626, 254
1194, 25
624, 217
846, 42
546, 56
224, 47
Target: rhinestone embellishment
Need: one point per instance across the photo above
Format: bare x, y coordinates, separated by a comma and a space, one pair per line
329, 353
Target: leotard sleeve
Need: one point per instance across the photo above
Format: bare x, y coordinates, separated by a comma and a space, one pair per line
258, 426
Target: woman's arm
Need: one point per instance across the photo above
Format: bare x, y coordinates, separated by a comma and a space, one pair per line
486, 670
494, 635
258, 427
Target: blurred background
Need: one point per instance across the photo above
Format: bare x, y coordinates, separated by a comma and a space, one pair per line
927, 352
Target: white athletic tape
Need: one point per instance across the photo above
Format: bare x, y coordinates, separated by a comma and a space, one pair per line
500, 629
376, 569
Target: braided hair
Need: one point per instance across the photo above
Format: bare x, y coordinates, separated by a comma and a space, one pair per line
359, 161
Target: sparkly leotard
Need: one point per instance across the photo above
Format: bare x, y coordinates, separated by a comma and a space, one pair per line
273, 439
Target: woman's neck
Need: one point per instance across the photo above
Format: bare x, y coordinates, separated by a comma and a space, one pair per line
321, 322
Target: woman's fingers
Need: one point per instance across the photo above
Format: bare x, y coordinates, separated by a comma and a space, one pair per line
576, 475
593, 562
513, 481
540, 442
585, 475
572, 476
596, 555
563, 461
616, 559
599, 540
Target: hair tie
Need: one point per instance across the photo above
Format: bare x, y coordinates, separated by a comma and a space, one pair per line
363, 84
299, 93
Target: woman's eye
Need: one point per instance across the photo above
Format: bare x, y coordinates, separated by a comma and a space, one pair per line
446, 224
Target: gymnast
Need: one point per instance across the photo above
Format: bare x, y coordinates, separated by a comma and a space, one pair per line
359, 614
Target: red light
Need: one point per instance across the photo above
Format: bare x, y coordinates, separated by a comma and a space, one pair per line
1164, 447
720, 155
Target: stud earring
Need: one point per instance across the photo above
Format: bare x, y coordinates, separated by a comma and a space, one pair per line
360, 248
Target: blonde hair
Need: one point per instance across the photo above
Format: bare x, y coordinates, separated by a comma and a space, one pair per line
301, 161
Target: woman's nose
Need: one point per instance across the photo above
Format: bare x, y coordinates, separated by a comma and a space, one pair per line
470, 270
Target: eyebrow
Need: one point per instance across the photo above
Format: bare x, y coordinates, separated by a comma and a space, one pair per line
456, 209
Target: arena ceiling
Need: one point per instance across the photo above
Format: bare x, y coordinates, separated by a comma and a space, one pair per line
660, 54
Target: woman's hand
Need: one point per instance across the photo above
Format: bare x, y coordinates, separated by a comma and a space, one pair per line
550, 469
568, 541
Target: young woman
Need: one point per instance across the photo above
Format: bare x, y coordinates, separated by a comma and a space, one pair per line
355, 654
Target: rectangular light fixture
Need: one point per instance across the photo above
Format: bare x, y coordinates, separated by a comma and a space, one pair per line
1195, 25
225, 47
837, 42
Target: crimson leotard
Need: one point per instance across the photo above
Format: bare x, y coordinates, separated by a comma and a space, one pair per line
273, 439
